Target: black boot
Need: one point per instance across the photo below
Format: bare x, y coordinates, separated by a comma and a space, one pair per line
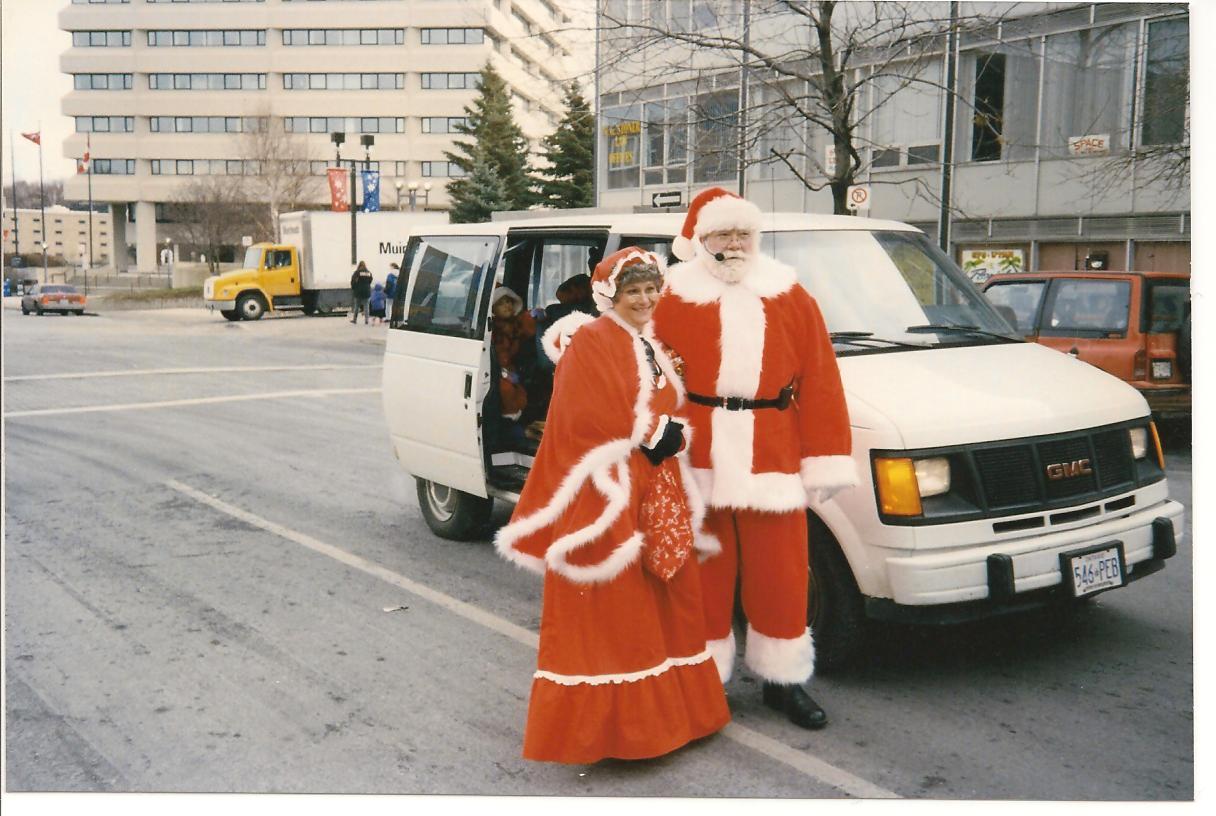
797, 705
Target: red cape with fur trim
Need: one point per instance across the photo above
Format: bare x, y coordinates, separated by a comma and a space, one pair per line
575, 514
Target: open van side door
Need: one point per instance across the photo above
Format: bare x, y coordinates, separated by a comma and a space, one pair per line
436, 363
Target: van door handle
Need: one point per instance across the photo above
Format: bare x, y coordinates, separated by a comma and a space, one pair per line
468, 385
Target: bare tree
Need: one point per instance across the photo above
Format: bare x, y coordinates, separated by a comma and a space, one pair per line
277, 171
814, 75
211, 213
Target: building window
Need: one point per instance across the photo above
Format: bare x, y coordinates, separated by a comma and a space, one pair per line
100, 2
665, 145
1087, 87
343, 36
715, 131
206, 38
206, 124
113, 167
1002, 86
105, 124
443, 124
907, 115
348, 124
207, 82
101, 82
441, 169
453, 36
622, 134
1166, 72
343, 82
450, 81
101, 39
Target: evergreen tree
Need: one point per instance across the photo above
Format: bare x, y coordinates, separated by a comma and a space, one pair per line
568, 181
497, 140
478, 194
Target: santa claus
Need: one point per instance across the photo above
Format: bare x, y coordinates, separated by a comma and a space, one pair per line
770, 433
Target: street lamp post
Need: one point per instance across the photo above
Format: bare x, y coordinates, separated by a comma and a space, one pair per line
426, 195
169, 263
398, 184
338, 138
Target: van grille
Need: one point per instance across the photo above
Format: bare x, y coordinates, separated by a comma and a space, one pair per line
1014, 476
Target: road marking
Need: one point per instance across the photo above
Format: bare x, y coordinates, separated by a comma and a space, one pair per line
143, 406
83, 375
805, 764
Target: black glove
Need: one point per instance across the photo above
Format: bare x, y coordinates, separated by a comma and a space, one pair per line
668, 445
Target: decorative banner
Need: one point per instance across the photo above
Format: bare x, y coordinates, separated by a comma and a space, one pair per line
371, 190
339, 189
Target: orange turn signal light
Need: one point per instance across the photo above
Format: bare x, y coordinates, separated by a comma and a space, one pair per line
898, 491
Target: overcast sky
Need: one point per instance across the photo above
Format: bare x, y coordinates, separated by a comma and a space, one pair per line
33, 88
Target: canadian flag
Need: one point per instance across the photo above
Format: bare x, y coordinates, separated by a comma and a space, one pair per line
82, 164
35, 137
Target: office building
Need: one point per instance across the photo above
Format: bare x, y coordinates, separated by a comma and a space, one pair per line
1057, 107
67, 235
169, 90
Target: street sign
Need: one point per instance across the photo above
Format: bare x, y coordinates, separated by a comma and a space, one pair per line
246, 240
858, 197
668, 198
829, 160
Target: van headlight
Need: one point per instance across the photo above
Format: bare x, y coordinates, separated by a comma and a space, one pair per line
1139, 437
903, 482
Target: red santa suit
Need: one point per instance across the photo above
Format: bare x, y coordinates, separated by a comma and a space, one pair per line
623, 669
757, 464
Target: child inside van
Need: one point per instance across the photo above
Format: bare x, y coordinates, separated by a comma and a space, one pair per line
512, 332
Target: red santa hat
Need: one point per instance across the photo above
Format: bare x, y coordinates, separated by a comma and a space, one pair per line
608, 272
712, 210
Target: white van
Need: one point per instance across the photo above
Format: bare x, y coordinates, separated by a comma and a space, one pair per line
1003, 474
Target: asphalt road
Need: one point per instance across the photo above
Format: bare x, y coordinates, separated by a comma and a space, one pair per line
219, 580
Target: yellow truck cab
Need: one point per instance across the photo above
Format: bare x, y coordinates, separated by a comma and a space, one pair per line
310, 269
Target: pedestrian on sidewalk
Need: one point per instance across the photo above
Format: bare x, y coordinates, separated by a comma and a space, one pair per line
360, 292
377, 304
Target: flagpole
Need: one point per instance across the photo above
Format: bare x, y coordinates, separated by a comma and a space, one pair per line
88, 162
42, 203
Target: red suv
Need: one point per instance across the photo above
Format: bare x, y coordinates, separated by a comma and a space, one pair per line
1134, 325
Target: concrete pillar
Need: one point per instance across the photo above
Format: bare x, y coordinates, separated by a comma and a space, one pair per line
145, 236
118, 237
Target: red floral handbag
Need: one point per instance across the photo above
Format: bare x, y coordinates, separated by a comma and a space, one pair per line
666, 523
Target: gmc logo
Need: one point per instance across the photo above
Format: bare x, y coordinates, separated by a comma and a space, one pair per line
1068, 470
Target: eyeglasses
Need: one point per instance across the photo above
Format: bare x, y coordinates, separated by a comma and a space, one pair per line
726, 236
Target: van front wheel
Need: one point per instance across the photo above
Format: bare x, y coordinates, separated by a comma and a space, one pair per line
835, 611
452, 513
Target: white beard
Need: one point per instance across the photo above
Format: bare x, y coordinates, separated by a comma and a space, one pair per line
732, 270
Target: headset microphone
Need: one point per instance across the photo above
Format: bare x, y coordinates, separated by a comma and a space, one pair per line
719, 256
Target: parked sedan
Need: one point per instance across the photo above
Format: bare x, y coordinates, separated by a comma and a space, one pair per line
52, 297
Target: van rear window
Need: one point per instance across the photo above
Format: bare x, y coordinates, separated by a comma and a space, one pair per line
1167, 307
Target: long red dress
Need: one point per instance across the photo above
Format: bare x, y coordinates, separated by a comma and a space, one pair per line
623, 670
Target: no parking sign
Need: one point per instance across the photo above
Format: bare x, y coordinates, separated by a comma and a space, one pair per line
858, 197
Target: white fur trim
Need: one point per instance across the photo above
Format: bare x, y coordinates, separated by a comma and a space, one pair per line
683, 248
765, 277
631, 677
728, 212
557, 337
595, 460
704, 542
743, 330
660, 429
596, 465
829, 472
723, 652
732, 482
780, 660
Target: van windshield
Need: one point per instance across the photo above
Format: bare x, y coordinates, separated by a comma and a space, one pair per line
893, 286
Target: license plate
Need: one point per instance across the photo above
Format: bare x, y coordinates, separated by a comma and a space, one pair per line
1094, 569
63, 301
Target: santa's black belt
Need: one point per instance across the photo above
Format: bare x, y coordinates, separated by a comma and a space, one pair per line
781, 402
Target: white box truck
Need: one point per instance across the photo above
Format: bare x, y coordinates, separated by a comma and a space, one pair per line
310, 269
